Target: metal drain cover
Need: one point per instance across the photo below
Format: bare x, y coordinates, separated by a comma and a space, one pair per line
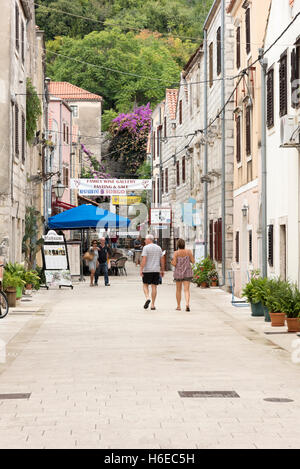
15, 396
209, 394
278, 399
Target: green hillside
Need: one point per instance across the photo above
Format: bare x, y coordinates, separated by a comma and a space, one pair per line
148, 40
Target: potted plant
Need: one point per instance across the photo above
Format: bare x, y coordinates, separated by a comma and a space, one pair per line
213, 278
292, 302
32, 280
277, 301
254, 292
201, 272
16, 270
10, 284
260, 296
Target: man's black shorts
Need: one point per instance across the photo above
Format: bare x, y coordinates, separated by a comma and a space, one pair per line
151, 278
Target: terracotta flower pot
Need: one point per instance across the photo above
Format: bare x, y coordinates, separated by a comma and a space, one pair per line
214, 284
293, 324
278, 319
204, 285
11, 294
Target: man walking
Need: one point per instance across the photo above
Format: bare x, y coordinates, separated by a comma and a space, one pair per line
102, 268
137, 250
152, 267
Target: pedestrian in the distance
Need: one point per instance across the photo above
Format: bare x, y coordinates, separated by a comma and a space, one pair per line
103, 253
152, 267
94, 251
183, 273
137, 250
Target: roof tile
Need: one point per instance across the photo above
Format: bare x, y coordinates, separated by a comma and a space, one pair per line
69, 92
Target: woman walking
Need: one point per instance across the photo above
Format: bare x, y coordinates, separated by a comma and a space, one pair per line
183, 274
94, 250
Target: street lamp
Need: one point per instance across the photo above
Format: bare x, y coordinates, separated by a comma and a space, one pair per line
245, 209
59, 189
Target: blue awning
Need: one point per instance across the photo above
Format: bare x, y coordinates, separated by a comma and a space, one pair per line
87, 216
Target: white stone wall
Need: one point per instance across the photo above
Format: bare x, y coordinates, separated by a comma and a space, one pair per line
283, 167
215, 133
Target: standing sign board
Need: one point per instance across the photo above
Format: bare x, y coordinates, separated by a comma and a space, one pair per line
56, 261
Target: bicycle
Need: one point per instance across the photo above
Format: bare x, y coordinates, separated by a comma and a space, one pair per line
3, 298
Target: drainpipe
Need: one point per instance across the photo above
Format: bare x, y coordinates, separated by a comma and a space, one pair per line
223, 144
206, 146
264, 65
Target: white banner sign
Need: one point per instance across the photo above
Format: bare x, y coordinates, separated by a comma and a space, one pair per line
105, 187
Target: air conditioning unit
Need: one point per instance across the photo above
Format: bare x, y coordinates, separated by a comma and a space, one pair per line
289, 132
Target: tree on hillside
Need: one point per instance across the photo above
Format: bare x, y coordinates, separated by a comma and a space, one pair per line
174, 17
54, 23
130, 133
147, 64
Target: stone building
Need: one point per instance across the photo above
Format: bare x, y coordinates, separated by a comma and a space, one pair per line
214, 140
86, 113
250, 20
21, 58
283, 140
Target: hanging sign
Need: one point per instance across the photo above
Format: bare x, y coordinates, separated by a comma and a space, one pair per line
56, 260
106, 187
123, 200
160, 216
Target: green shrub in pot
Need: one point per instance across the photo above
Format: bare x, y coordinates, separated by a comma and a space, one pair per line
31, 277
11, 281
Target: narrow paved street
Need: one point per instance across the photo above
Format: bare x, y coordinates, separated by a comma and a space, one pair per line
105, 373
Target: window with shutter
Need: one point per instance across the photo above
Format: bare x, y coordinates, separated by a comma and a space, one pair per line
153, 192
23, 139
64, 132
250, 247
17, 19
295, 76
219, 62
153, 145
238, 139
216, 240
158, 188
177, 173
167, 180
238, 48
211, 64
270, 98
165, 127
16, 131
283, 85
180, 112
67, 133
211, 239
183, 169
162, 182
248, 31
219, 258
248, 131
237, 247
271, 245
23, 42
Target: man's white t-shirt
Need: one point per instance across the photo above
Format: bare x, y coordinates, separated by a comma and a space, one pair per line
154, 254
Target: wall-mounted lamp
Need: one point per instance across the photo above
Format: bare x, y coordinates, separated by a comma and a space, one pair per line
59, 189
245, 209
